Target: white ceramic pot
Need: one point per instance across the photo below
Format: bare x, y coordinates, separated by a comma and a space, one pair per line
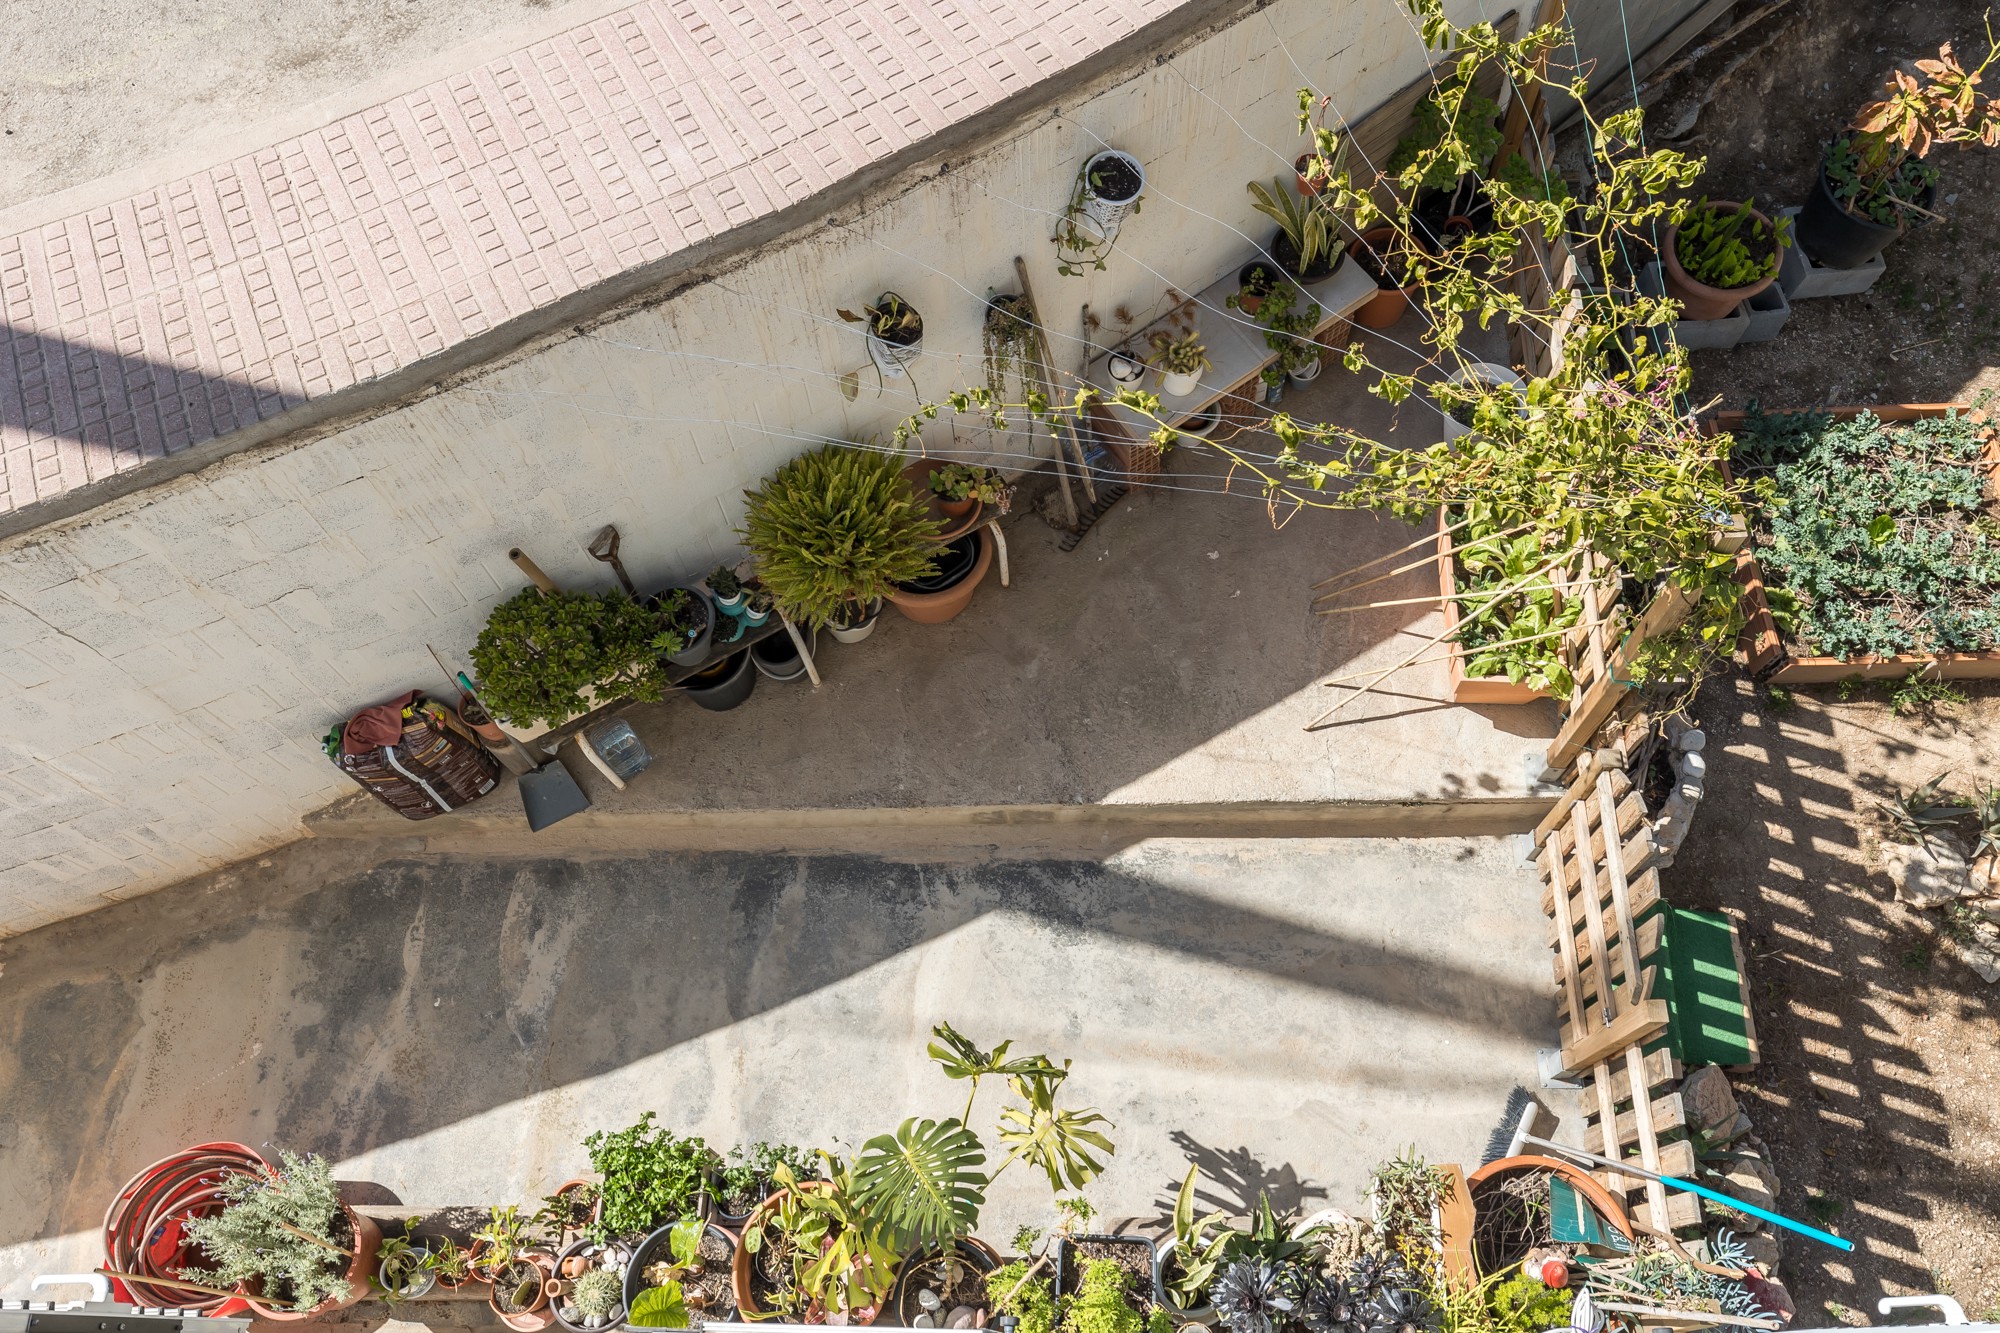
1108, 213
1202, 424
1307, 373
1176, 385
1125, 369
1480, 372
856, 633
1201, 1314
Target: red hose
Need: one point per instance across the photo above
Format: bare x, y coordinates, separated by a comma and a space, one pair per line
145, 1226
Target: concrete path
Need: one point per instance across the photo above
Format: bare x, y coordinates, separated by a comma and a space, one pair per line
1286, 1013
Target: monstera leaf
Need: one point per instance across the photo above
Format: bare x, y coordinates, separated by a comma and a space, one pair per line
1057, 1141
923, 1182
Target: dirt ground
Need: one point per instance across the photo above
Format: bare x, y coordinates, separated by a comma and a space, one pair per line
1880, 1083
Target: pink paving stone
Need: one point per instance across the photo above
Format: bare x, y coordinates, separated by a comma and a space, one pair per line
348, 251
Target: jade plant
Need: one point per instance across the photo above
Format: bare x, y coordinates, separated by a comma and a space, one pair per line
836, 529
970, 481
280, 1232
540, 651
1288, 331
648, 1174
1729, 248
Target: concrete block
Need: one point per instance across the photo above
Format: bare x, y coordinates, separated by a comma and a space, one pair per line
1698, 334
1803, 280
1769, 312
146, 579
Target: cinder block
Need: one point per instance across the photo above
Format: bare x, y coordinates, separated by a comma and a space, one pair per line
1804, 280
1769, 312
1699, 334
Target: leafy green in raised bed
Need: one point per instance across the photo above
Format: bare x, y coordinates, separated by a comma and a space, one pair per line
1518, 638
1880, 537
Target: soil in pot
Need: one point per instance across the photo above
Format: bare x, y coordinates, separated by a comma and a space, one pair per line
1132, 1254
1114, 181
512, 1292
708, 1293
1390, 270
960, 1284
695, 622
1287, 254
735, 1208
1253, 283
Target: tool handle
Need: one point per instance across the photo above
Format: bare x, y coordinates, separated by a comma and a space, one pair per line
1823, 1237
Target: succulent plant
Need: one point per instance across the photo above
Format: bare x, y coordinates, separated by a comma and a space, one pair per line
598, 1292
1251, 1297
1401, 1310
1373, 1274
1328, 1305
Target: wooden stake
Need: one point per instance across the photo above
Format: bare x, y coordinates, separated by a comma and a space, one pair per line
1504, 643
1065, 431
1430, 559
327, 1244
1401, 550
532, 570
177, 1284
1441, 636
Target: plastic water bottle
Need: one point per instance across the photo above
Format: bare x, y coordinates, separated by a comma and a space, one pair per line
621, 748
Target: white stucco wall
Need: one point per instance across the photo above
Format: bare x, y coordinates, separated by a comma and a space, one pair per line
169, 663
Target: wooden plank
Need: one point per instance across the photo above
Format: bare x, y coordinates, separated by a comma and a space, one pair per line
1621, 894
1579, 787
1669, 1114
1607, 1109
1644, 1130
1683, 1211
1566, 965
1635, 1026
1645, 895
1593, 1013
1593, 920
1456, 1214
1649, 932
1526, 113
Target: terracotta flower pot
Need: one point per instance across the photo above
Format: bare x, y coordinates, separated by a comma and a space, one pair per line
957, 508
739, 1262
1698, 299
360, 1269
1599, 1198
1388, 304
1306, 184
934, 608
537, 1315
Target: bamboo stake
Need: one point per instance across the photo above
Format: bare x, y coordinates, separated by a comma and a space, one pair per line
1441, 636
1045, 369
1700, 1317
315, 1240
1401, 550
1504, 643
1430, 559
178, 1284
1400, 601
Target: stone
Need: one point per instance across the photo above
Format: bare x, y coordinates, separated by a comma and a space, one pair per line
961, 1316
1738, 1127
928, 1299
1764, 1248
924, 1320
1986, 907
1709, 1100
1982, 952
1929, 876
1751, 1181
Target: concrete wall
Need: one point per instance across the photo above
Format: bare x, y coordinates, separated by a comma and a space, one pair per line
169, 663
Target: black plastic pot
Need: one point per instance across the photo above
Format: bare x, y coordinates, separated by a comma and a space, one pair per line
776, 658
954, 562
698, 645
1835, 238
725, 685
902, 1302
656, 1247
1069, 1264
1287, 256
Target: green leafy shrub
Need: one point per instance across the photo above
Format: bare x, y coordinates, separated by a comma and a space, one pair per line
1101, 1304
1467, 131
648, 1174
1520, 177
540, 651
255, 1238
1034, 1303
835, 529
1523, 1305
1488, 563
1874, 533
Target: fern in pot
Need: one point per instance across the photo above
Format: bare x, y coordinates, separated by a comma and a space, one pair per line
833, 532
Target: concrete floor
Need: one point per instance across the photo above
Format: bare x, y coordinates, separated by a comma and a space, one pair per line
1284, 1012
1166, 670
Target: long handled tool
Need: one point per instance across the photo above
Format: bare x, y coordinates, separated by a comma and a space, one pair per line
1522, 1137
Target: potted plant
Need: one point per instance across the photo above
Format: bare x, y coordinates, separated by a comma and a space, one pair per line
1720, 255
960, 486
1006, 338
1099, 1298
833, 531
757, 607
682, 1269
1254, 281
1874, 182
1188, 1261
1109, 188
725, 588
1512, 652
686, 624
1471, 386
403, 1270
895, 332
1288, 331
1438, 163
739, 1185
568, 1213
543, 655
1307, 245
1180, 359
1387, 257
647, 1176
724, 684
815, 1252
451, 1264
520, 1274
287, 1241
587, 1290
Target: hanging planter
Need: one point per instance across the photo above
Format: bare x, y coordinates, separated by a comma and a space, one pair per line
895, 333
1108, 189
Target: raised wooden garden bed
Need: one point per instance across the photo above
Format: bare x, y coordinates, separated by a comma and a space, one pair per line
1469, 689
1769, 658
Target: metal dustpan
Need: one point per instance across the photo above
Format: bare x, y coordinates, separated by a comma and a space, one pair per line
550, 795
